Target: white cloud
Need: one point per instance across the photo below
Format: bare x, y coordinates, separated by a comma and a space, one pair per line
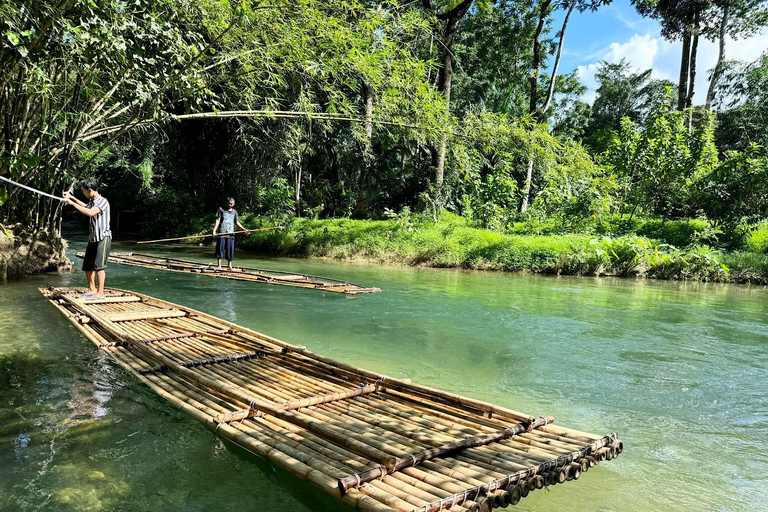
640, 51
645, 51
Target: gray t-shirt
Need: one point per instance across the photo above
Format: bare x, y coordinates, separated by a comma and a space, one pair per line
228, 220
98, 228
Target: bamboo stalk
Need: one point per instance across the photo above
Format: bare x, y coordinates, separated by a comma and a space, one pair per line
414, 459
206, 235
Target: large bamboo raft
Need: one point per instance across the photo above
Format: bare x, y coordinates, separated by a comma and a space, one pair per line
258, 275
379, 444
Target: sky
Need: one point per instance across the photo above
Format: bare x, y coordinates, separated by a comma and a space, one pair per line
617, 31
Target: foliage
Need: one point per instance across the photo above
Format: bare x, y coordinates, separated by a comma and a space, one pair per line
757, 240
744, 101
736, 190
452, 243
624, 93
656, 165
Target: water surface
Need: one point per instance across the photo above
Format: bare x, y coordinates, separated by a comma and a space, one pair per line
678, 369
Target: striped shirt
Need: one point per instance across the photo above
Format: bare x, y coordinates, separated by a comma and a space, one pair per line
99, 225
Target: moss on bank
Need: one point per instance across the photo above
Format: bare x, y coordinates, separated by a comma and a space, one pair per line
452, 243
22, 253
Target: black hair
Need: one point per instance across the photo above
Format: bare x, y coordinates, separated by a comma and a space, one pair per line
90, 184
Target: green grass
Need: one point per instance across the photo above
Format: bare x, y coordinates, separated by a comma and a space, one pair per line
454, 243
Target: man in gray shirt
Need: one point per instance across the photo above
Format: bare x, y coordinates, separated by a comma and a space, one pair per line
99, 235
226, 219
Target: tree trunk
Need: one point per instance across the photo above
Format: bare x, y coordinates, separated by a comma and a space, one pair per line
720, 57
527, 190
297, 196
361, 208
692, 62
682, 86
551, 90
534, 80
445, 80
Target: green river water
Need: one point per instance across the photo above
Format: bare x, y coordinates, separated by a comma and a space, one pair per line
679, 370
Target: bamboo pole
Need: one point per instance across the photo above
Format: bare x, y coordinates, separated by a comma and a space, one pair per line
206, 235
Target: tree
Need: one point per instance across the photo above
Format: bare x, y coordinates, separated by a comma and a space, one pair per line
622, 93
743, 101
685, 20
738, 18
494, 50
736, 191
449, 17
545, 10
69, 68
656, 165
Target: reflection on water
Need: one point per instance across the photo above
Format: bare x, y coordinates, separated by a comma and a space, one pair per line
678, 369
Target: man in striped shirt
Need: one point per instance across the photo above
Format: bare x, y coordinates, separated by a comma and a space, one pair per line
99, 235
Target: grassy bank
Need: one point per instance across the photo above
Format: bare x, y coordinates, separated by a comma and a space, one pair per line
452, 243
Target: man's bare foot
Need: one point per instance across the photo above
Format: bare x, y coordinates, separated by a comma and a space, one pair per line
218, 268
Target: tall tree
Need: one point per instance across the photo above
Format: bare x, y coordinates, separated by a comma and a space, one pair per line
737, 19
622, 92
684, 20
449, 18
545, 9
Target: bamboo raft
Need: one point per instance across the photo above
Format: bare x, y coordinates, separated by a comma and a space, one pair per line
377, 443
257, 275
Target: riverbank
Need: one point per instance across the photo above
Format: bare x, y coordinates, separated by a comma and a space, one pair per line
23, 253
453, 244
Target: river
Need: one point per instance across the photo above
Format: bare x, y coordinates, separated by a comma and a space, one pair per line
679, 370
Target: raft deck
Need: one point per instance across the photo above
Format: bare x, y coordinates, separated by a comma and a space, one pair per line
257, 275
377, 443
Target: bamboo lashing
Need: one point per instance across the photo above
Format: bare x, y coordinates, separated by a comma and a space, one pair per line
200, 364
207, 235
306, 402
355, 480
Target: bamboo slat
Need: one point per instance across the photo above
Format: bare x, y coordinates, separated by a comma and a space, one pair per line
409, 448
256, 275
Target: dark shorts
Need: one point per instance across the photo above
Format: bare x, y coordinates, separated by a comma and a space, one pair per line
96, 254
225, 248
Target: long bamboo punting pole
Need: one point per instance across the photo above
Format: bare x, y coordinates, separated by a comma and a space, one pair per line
206, 235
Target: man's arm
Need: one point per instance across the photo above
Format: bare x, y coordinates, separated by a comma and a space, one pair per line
237, 221
73, 199
216, 226
82, 207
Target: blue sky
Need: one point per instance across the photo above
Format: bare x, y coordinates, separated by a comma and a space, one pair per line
617, 31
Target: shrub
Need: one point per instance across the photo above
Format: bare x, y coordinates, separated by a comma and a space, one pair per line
680, 233
757, 239
699, 263
621, 256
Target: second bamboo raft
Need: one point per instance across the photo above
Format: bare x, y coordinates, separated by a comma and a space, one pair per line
377, 443
257, 275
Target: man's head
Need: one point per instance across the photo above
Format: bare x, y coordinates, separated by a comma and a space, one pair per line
90, 188
230, 202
